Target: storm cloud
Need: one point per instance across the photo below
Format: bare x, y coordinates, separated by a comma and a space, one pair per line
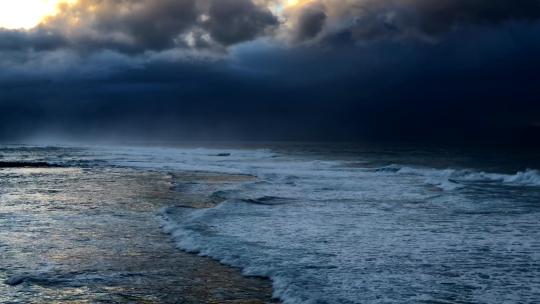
444, 70
137, 26
361, 20
309, 22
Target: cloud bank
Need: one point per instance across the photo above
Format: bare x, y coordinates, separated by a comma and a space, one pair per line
138, 26
259, 69
361, 20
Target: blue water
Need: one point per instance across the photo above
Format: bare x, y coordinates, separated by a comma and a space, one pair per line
362, 225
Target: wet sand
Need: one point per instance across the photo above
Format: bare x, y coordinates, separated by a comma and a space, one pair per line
72, 235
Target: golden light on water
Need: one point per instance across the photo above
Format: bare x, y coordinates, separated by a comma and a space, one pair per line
26, 14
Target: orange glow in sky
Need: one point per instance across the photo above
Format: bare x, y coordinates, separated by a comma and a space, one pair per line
26, 14
297, 2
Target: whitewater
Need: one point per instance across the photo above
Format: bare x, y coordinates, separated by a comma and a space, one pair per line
359, 225
353, 228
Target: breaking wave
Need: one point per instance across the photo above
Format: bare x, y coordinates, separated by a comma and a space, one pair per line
325, 232
450, 179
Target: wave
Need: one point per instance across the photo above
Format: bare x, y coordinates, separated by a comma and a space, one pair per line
450, 179
317, 229
190, 230
267, 200
529, 177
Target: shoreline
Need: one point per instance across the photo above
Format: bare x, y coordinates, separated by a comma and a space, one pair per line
94, 236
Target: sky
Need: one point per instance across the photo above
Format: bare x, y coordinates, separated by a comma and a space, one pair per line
449, 71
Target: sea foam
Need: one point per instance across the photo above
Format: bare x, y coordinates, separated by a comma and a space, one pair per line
325, 232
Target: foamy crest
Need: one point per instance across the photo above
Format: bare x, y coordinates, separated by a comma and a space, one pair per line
325, 232
452, 178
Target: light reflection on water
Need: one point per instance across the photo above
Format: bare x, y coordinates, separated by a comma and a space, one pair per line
90, 234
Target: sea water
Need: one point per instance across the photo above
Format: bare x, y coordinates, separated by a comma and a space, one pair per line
360, 224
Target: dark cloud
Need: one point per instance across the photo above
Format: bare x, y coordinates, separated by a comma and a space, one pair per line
36, 40
437, 16
141, 26
138, 26
233, 21
361, 20
310, 22
474, 86
159, 70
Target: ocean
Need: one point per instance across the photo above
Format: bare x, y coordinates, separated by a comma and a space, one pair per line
326, 223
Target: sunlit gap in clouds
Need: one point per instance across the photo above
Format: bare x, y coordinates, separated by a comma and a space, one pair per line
297, 2
26, 14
